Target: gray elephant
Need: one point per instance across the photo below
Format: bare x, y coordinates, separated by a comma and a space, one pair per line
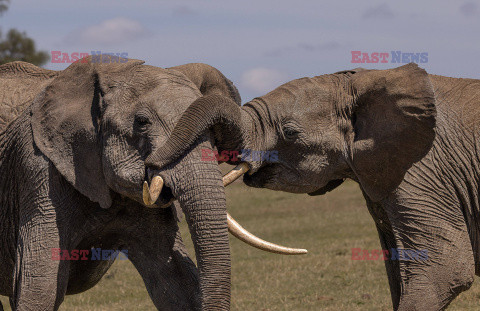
20, 83
408, 138
72, 167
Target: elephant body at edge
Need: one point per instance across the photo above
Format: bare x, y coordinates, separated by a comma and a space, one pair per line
72, 151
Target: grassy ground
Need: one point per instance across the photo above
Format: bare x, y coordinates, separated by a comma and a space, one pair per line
325, 279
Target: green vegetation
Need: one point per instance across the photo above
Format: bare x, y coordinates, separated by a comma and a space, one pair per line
17, 46
326, 279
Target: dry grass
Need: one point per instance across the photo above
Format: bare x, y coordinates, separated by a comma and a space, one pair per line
325, 279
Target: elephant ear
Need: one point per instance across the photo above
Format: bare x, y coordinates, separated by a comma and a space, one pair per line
394, 121
209, 80
65, 124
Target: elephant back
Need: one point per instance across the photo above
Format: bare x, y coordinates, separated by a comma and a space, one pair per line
20, 82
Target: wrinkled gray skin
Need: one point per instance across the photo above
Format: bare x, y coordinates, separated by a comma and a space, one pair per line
411, 140
72, 167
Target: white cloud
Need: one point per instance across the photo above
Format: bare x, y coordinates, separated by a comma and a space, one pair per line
263, 80
110, 32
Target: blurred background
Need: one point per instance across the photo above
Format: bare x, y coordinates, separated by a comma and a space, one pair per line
260, 45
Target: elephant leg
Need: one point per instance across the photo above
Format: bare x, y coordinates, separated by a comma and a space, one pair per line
387, 242
167, 277
430, 281
156, 250
40, 282
434, 285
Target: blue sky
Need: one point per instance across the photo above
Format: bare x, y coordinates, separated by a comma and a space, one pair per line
258, 44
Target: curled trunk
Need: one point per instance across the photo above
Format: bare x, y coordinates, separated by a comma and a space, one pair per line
206, 113
199, 189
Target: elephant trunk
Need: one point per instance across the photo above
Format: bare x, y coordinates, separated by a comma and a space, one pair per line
211, 112
198, 187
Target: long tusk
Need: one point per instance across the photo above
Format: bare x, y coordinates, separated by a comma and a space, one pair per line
243, 235
240, 233
233, 175
150, 195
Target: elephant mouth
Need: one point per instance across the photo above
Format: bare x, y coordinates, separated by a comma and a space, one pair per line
164, 194
273, 176
165, 198
264, 176
257, 179
329, 187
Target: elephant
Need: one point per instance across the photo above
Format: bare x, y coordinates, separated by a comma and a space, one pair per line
73, 145
21, 82
408, 138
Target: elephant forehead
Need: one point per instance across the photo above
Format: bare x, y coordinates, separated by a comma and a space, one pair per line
171, 97
164, 92
304, 93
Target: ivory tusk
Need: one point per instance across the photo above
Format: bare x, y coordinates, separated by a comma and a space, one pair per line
243, 235
240, 233
150, 195
233, 175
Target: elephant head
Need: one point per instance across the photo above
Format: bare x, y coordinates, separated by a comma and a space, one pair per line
98, 123
310, 134
367, 125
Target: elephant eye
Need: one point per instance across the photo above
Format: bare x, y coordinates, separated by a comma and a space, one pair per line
141, 122
290, 133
